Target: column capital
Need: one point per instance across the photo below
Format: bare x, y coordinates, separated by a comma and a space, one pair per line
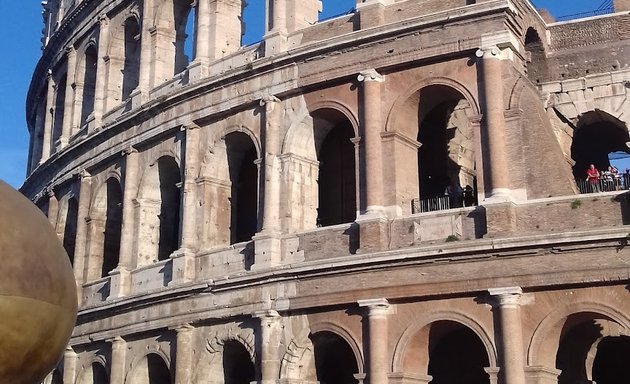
69, 351
370, 75
129, 150
489, 52
508, 297
70, 50
183, 328
376, 307
267, 314
189, 127
103, 19
82, 175
268, 99
116, 340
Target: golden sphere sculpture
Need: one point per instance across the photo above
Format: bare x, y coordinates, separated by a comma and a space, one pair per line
38, 297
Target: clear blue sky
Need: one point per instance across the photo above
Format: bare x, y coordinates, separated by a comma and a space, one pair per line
21, 25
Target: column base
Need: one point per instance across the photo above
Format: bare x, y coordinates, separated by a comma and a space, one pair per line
408, 378
541, 375
275, 43
373, 234
119, 283
183, 266
267, 250
198, 70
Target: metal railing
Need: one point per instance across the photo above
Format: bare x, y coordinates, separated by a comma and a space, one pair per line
605, 184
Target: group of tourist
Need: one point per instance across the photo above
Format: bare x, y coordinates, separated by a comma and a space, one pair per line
607, 180
460, 197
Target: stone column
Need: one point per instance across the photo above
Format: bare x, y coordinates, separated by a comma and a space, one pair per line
378, 346
146, 50
68, 105
80, 247
184, 354
101, 71
267, 242
120, 281
117, 368
372, 127
494, 122
276, 36
274, 114
202, 46
184, 258
511, 352
189, 190
69, 366
53, 208
49, 120
270, 334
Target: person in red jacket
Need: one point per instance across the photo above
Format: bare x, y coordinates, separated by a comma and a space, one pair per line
592, 176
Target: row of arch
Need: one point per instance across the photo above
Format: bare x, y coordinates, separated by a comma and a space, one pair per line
585, 346
326, 141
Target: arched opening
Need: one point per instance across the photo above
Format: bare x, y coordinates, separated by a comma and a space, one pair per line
131, 66
89, 82
94, 374
57, 377
586, 350
611, 362
113, 226
60, 100
238, 367
446, 163
184, 13
241, 156
596, 136
337, 191
536, 62
252, 31
456, 355
169, 177
335, 362
151, 370
69, 224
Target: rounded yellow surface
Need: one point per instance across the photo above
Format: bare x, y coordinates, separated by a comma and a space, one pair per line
38, 299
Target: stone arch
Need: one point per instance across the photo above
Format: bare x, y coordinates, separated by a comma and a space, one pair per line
345, 335
105, 227
66, 224
394, 119
230, 177
336, 358
402, 346
124, 53
433, 122
209, 367
170, 22
154, 360
159, 202
544, 343
596, 135
298, 362
86, 80
95, 372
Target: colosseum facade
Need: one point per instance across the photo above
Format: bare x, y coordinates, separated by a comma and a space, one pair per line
276, 212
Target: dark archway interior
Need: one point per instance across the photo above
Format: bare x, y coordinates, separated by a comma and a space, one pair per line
335, 362
170, 178
244, 178
238, 367
577, 337
99, 374
89, 83
131, 69
536, 66
456, 355
113, 226
157, 369
593, 142
436, 170
611, 361
184, 19
57, 377
60, 100
70, 229
337, 168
